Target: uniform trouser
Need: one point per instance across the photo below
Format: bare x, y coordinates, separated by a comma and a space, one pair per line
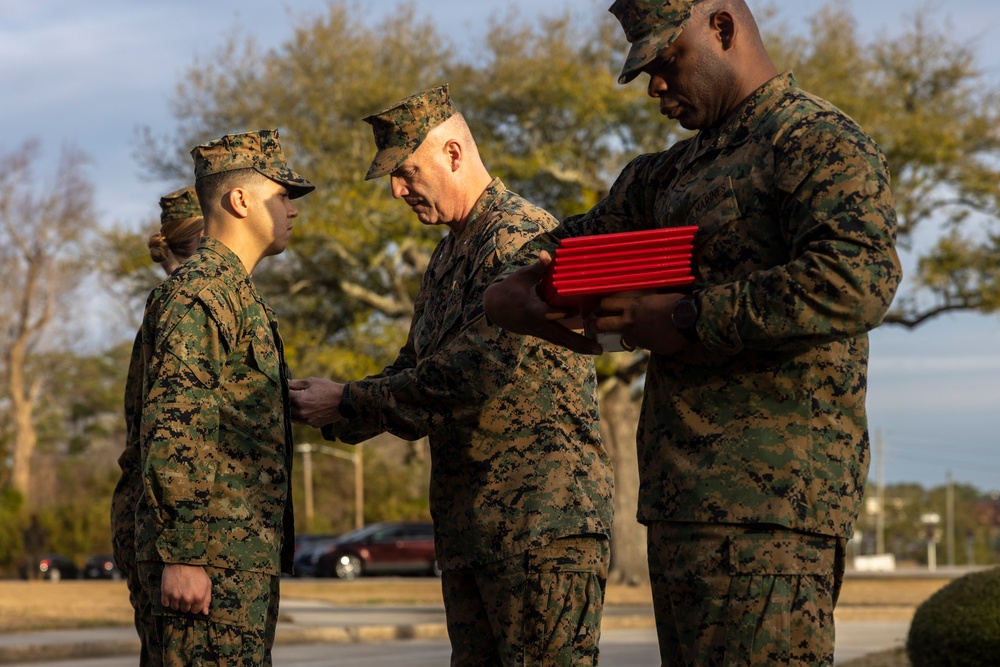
143, 610
143, 616
730, 596
238, 631
539, 608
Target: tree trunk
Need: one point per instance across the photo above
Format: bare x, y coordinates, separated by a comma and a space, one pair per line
22, 399
44, 252
619, 419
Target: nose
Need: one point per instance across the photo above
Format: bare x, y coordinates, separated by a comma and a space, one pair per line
657, 86
292, 211
398, 186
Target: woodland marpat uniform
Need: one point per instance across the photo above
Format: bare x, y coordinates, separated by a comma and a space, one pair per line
754, 441
215, 438
208, 406
521, 486
215, 431
764, 422
513, 421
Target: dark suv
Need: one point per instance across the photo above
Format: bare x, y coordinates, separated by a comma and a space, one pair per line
101, 567
381, 548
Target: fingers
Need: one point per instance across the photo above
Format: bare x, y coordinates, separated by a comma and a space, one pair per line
541, 267
186, 588
515, 305
608, 324
208, 602
315, 401
554, 332
189, 604
611, 305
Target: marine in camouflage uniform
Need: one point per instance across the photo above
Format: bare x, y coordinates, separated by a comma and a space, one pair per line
753, 443
175, 209
521, 485
213, 429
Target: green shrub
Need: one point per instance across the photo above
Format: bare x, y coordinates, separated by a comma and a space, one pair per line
12, 521
959, 626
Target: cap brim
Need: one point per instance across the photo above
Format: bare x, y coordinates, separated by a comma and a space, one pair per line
298, 190
296, 185
645, 50
387, 161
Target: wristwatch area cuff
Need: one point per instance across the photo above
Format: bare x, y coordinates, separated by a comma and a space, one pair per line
347, 409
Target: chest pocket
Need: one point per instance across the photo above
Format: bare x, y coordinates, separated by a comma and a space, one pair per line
723, 234
441, 314
264, 354
454, 299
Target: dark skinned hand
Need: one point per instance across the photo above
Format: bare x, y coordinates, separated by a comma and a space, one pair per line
643, 321
515, 305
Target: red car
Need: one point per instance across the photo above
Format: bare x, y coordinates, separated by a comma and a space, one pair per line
381, 548
53, 567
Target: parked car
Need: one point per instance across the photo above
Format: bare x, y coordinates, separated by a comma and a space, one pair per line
308, 548
101, 567
53, 567
381, 548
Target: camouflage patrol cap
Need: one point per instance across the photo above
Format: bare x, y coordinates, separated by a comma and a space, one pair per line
401, 128
258, 150
179, 205
650, 26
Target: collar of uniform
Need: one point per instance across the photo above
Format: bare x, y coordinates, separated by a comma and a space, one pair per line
237, 272
743, 122
483, 205
219, 248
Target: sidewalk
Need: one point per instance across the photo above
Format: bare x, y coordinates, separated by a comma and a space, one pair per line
306, 622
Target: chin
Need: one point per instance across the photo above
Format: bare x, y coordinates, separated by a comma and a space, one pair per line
276, 249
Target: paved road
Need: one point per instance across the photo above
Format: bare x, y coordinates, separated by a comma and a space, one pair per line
620, 648
317, 635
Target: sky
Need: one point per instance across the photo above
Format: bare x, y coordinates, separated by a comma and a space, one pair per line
88, 75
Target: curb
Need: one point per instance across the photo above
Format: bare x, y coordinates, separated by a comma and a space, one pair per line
287, 634
359, 634
85, 649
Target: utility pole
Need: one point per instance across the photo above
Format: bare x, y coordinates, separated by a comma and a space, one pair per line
307, 478
880, 493
359, 479
359, 489
949, 518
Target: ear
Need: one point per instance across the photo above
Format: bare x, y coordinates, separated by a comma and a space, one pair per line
724, 27
238, 201
453, 150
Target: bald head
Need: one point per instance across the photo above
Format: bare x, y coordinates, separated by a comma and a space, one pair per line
444, 178
734, 23
453, 129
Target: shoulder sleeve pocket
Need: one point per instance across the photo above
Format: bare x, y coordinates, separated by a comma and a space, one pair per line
264, 355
